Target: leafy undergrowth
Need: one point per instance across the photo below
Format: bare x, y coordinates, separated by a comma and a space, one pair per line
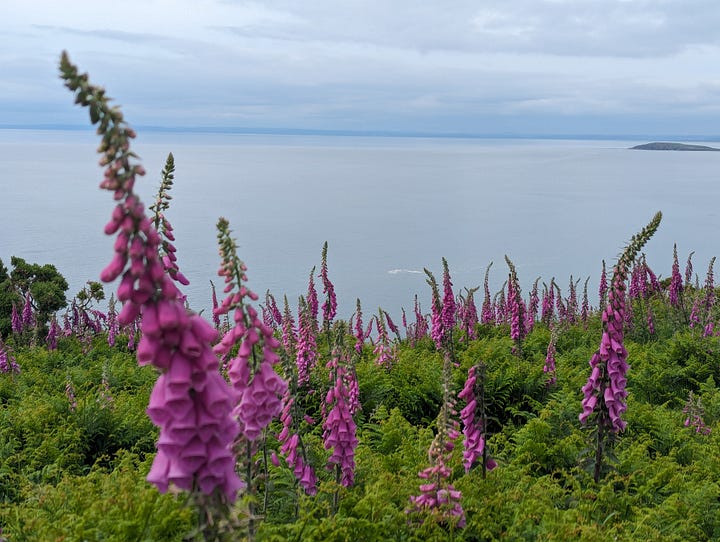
76, 445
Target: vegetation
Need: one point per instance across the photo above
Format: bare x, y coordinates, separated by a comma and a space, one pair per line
280, 426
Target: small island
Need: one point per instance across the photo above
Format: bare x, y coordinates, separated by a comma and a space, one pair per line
662, 146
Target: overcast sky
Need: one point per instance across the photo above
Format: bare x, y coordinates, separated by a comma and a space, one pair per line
445, 66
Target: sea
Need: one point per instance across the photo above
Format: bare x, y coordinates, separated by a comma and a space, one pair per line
388, 207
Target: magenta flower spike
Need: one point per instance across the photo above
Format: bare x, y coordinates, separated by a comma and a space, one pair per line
689, 270
437, 329
27, 314
16, 321
359, 331
515, 308
449, 307
312, 298
330, 304
676, 282
339, 427
604, 394
52, 335
421, 325
549, 367
602, 290
307, 350
473, 420
258, 389
385, 353
470, 314
585, 308
487, 315
190, 402
7, 361
533, 306
438, 496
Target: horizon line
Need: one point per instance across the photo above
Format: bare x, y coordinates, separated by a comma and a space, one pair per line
243, 130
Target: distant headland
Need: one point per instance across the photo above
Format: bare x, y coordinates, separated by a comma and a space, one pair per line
661, 146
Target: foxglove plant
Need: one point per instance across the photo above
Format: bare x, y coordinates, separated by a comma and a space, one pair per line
487, 315
533, 305
191, 402
604, 393
52, 335
474, 420
307, 351
28, 318
215, 305
257, 388
330, 304
689, 270
70, 394
7, 360
694, 411
113, 328
500, 306
548, 304
603, 288
391, 326
675, 289
438, 496
421, 325
162, 224
339, 427
312, 299
437, 329
516, 308
652, 277
585, 308
572, 303
15, 320
469, 316
449, 307
290, 438
709, 300
650, 321
359, 331
385, 353
274, 310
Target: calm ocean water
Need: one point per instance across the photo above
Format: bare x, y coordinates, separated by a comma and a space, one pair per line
387, 207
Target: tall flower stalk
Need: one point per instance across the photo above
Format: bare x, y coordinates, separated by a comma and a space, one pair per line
257, 388
191, 402
438, 497
339, 427
604, 394
515, 308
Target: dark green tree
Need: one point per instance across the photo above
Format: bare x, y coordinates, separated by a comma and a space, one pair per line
45, 285
8, 296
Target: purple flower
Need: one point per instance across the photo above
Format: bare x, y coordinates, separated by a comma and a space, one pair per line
676, 283
603, 285
16, 321
312, 298
307, 351
487, 315
27, 313
689, 269
339, 427
359, 331
330, 304
190, 402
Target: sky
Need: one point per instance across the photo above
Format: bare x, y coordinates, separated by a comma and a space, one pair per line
481, 67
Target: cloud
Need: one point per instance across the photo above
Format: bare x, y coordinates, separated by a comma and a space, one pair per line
449, 66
